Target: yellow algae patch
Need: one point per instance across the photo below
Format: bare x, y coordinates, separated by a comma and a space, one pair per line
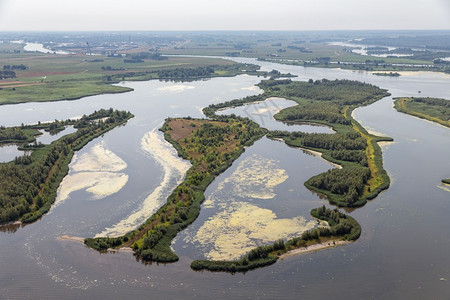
109, 184
235, 231
100, 184
444, 187
98, 159
255, 177
96, 172
174, 170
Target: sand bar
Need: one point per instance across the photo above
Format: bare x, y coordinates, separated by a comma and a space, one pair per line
314, 247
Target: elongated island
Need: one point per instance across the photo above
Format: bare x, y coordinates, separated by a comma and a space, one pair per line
28, 184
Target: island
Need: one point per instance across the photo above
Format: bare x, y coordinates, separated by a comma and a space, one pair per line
28, 184
342, 228
361, 176
211, 146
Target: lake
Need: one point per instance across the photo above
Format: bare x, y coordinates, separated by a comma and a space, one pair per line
402, 252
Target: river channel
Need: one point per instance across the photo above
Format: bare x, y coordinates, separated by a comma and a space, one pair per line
402, 252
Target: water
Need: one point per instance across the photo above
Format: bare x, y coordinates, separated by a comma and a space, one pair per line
48, 138
263, 112
38, 47
402, 253
9, 152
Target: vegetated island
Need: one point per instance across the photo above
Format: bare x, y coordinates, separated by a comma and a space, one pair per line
28, 184
431, 109
330, 103
361, 178
342, 228
211, 146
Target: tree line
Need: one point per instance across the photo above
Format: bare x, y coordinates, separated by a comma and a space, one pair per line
7, 74
15, 67
28, 184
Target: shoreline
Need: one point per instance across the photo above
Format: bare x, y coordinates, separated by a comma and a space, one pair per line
313, 248
384, 144
319, 154
415, 114
71, 238
78, 239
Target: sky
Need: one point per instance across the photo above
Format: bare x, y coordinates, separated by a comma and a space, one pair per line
112, 15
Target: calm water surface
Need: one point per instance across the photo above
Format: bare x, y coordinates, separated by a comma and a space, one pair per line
402, 253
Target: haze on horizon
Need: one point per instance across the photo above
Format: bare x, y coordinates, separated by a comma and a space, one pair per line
115, 15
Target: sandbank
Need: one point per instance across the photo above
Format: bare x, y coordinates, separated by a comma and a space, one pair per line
314, 247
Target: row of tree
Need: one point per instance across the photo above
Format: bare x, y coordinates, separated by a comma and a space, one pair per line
341, 91
15, 67
28, 184
181, 73
7, 74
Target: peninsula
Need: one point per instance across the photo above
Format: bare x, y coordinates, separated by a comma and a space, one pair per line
330, 103
28, 184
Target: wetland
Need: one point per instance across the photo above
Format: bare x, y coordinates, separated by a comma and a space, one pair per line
71, 269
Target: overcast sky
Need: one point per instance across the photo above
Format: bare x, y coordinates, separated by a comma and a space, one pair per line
223, 14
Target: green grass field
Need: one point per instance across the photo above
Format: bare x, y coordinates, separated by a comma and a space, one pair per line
264, 49
52, 77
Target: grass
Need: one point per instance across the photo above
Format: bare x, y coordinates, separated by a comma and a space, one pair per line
68, 77
266, 48
434, 113
379, 179
54, 91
